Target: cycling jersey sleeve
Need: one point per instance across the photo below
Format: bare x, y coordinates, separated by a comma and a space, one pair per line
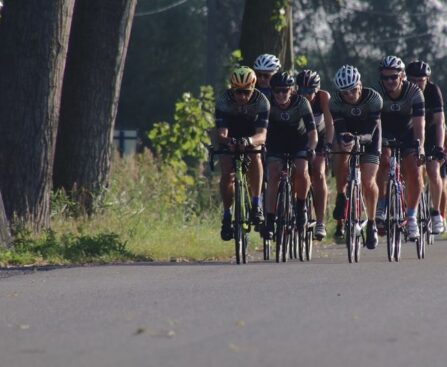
262, 118
309, 122
337, 116
438, 102
418, 104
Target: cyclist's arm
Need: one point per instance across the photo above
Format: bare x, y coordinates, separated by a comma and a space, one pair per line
312, 139
419, 129
312, 134
261, 124
328, 121
438, 119
418, 119
222, 136
438, 116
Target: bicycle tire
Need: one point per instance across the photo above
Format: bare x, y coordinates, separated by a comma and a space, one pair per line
245, 223
310, 228
358, 206
281, 228
301, 244
351, 222
391, 220
422, 223
238, 230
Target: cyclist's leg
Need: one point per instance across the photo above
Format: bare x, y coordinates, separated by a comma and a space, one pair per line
318, 178
226, 181
369, 185
255, 176
227, 193
301, 184
319, 187
274, 166
341, 178
412, 174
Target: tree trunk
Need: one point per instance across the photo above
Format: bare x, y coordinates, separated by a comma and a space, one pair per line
259, 34
33, 46
95, 63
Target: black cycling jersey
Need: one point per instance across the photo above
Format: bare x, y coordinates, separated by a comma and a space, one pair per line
397, 114
433, 102
242, 121
361, 118
266, 91
288, 127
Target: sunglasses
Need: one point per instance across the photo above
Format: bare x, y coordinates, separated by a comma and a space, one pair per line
245, 92
389, 77
280, 90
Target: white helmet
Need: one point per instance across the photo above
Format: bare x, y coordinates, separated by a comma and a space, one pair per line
392, 62
347, 77
267, 62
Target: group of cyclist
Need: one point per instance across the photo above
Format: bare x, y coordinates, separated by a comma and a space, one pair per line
291, 114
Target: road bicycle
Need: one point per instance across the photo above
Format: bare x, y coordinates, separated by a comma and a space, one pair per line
242, 199
354, 213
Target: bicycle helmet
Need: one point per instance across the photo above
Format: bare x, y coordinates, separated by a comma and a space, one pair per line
267, 62
308, 79
418, 68
243, 78
347, 77
392, 62
282, 79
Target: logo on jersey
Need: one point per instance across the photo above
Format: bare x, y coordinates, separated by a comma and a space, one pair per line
356, 111
395, 107
285, 116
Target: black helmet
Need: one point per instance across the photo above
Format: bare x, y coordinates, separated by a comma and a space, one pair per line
308, 79
282, 79
418, 68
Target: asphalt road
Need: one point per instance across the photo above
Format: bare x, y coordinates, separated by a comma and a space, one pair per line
323, 313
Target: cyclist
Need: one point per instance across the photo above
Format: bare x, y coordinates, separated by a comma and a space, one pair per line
356, 110
241, 112
403, 119
308, 83
291, 130
419, 73
265, 66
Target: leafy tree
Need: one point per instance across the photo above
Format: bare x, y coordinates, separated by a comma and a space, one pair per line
182, 144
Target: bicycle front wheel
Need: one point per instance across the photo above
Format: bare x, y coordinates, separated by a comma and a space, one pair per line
352, 221
391, 220
241, 223
283, 222
310, 226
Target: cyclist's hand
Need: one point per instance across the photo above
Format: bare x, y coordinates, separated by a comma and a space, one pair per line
243, 143
232, 145
438, 153
347, 142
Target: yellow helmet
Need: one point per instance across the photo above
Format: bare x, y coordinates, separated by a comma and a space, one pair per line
243, 78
